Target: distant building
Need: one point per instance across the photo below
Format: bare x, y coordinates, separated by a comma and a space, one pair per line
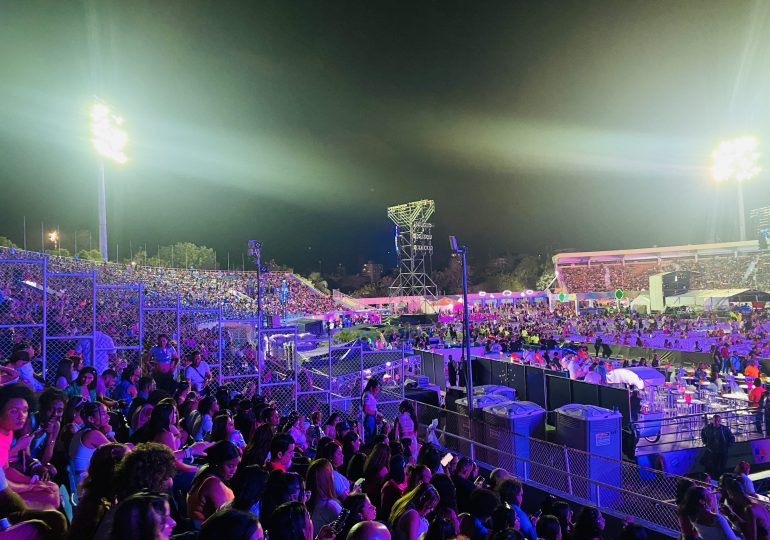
372, 271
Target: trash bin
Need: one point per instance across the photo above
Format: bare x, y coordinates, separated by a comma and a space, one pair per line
469, 427
510, 428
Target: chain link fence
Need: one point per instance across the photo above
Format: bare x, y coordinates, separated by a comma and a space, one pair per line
22, 314
314, 374
239, 356
277, 379
70, 314
118, 336
347, 379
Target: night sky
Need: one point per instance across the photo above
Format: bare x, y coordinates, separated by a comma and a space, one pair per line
533, 125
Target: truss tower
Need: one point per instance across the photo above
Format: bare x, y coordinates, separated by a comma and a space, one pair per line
413, 236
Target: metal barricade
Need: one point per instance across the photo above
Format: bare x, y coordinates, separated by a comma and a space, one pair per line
617, 487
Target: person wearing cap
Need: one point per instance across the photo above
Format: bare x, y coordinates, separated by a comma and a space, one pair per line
341, 429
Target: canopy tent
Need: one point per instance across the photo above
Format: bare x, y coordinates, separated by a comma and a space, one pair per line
641, 304
710, 299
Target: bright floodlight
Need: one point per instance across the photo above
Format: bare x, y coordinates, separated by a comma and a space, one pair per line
53, 236
736, 159
108, 138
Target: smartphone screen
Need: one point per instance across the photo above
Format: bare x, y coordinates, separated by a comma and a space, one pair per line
447, 459
479, 481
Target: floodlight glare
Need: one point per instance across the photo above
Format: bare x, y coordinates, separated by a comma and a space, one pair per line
53, 236
108, 138
736, 159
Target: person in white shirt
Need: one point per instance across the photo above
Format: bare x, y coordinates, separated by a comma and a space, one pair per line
198, 373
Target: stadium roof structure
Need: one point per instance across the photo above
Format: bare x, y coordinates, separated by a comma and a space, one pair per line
655, 253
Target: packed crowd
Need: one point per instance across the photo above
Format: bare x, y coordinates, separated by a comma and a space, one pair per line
716, 272
152, 458
511, 327
235, 291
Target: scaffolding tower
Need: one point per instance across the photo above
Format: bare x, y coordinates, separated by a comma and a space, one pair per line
413, 236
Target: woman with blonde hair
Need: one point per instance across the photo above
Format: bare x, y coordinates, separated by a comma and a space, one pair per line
323, 504
408, 519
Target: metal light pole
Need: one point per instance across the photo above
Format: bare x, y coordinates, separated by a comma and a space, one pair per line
102, 213
255, 251
109, 140
462, 251
741, 213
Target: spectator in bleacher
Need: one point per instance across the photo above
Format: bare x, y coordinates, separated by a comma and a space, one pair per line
231, 524
210, 488
323, 504
408, 519
375, 471
64, 373
149, 467
21, 361
548, 528
394, 486
223, 429
511, 491
13, 507
143, 516
249, 486
98, 492
164, 360
84, 385
204, 420
475, 525
96, 432
742, 469
748, 513
14, 409
331, 450
563, 511
503, 517
48, 426
126, 390
589, 525
697, 518
463, 483
360, 508
281, 453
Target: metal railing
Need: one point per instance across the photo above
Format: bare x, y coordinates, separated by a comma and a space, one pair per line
685, 430
619, 488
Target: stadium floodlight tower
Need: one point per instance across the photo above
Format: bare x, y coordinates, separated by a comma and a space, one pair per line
737, 160
109, 140
413, 238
